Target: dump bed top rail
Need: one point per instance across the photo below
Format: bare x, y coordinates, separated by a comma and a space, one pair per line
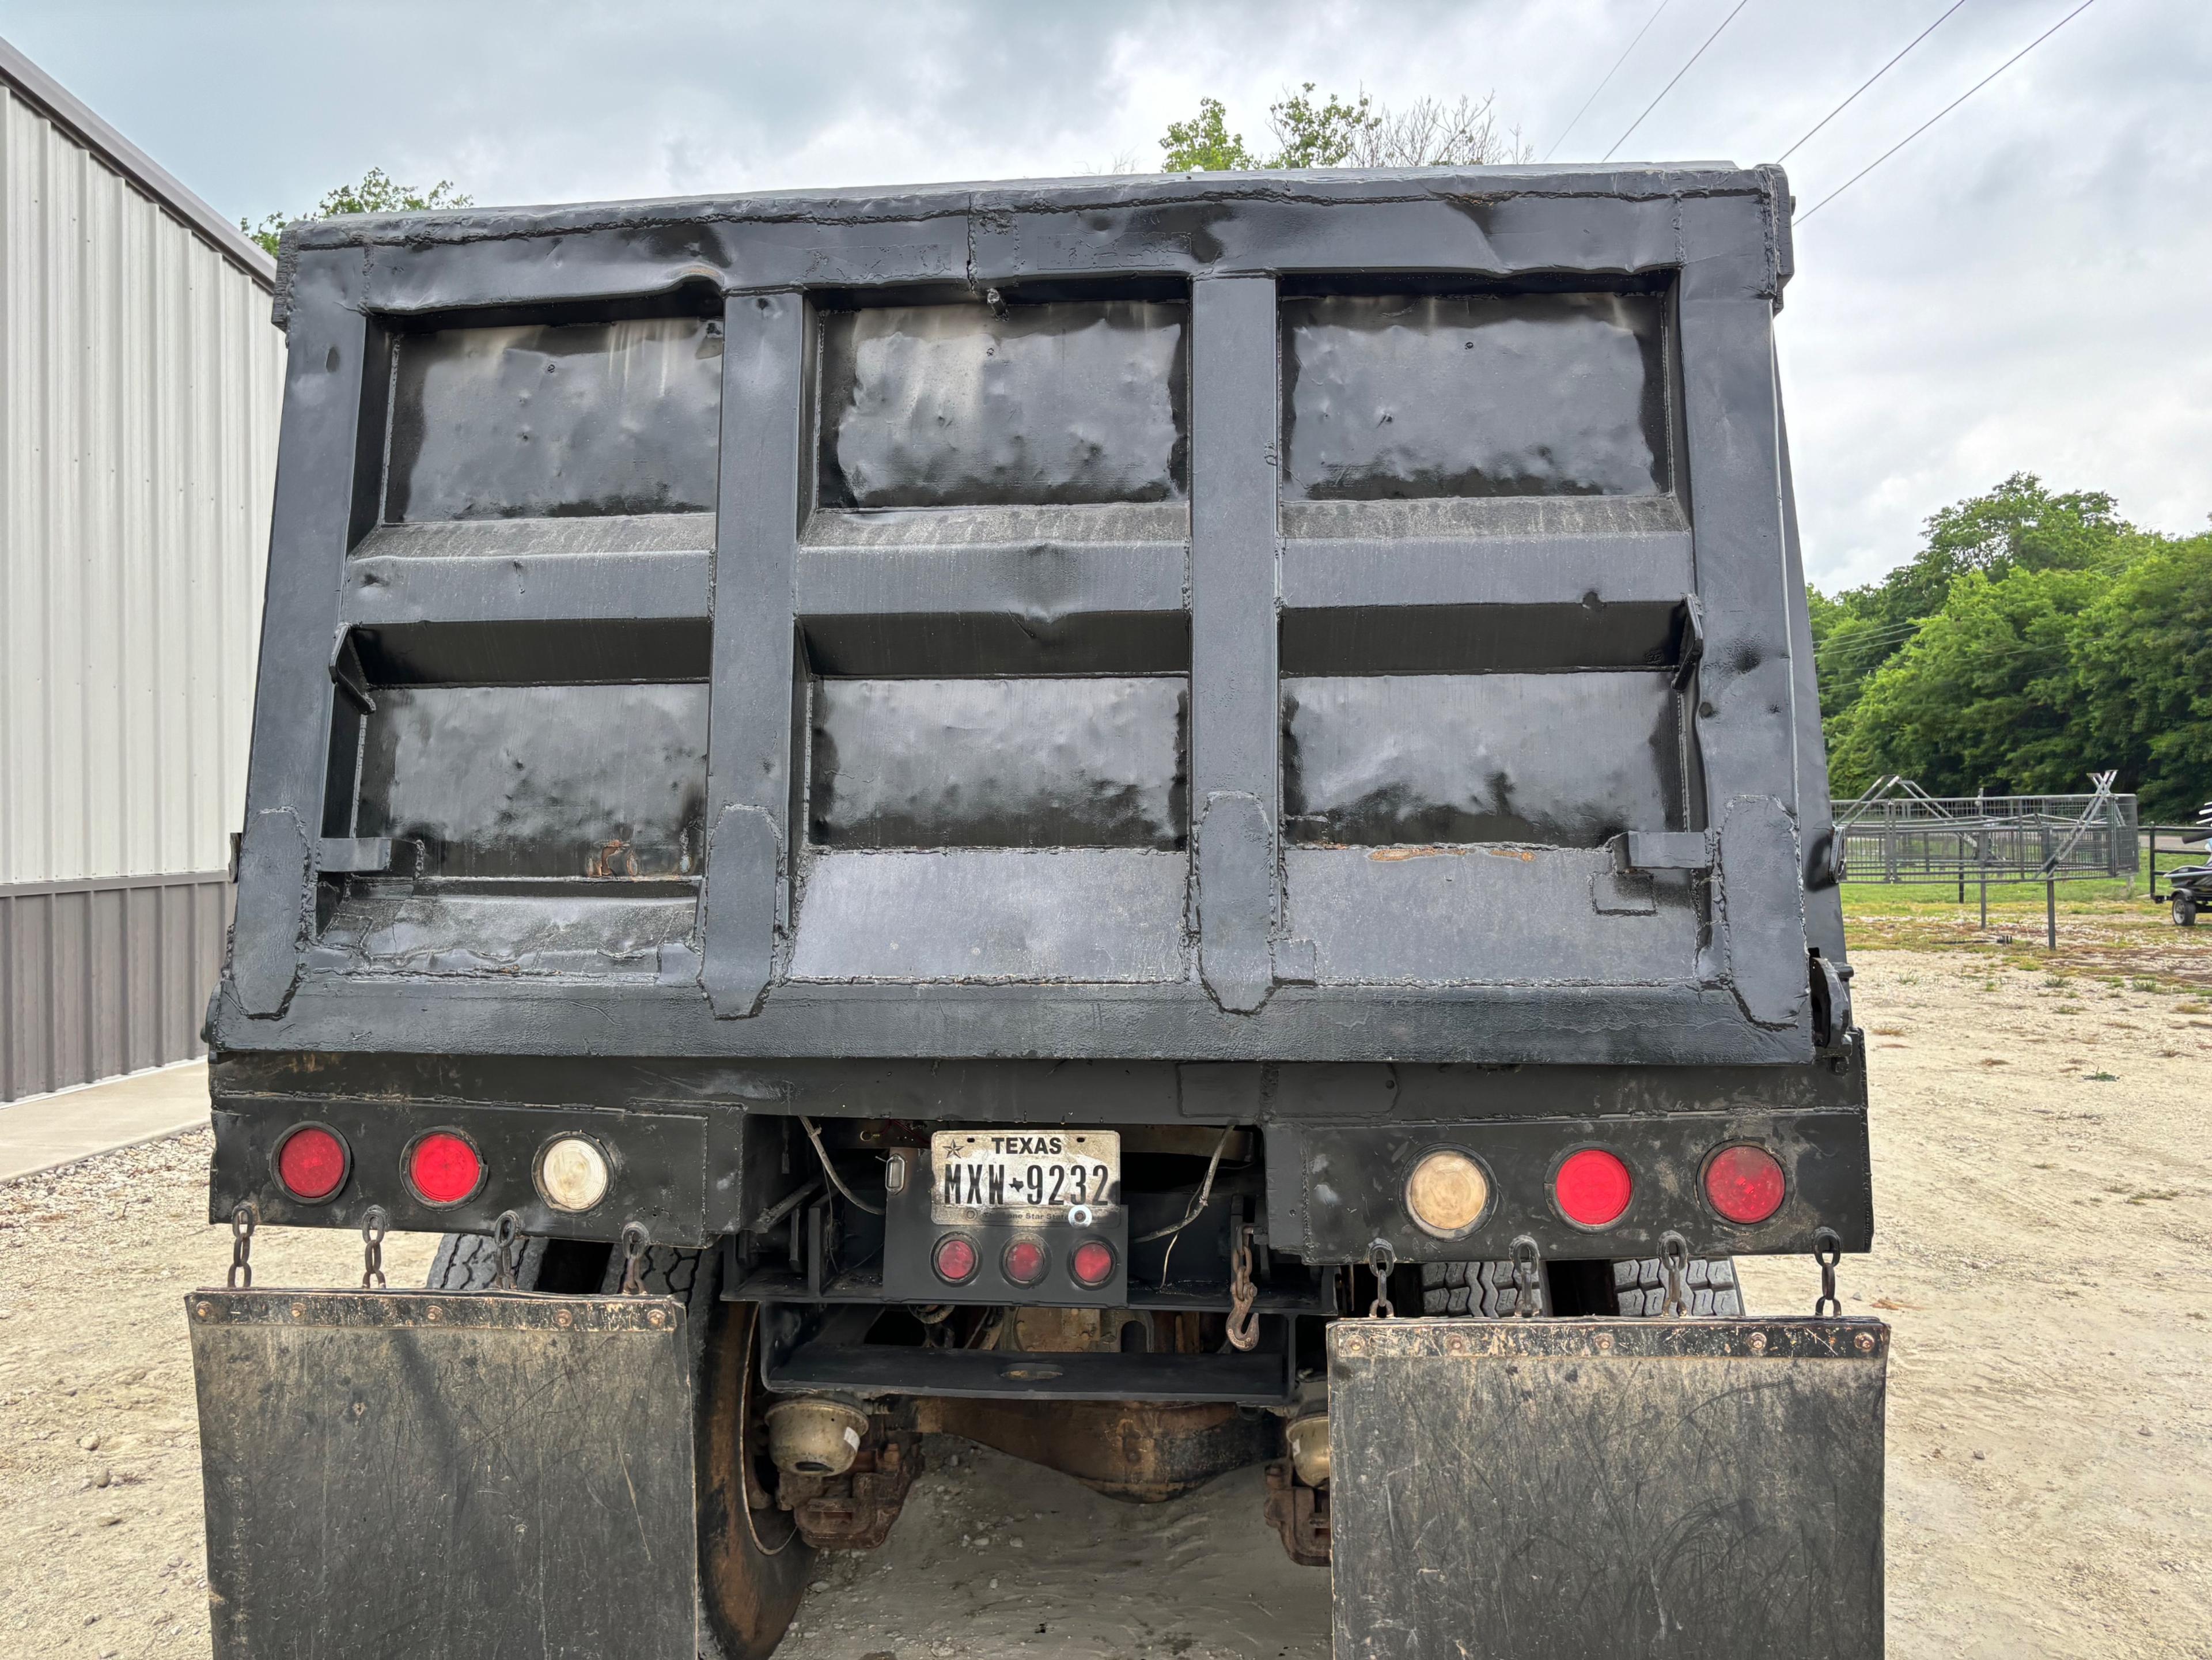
1320, 616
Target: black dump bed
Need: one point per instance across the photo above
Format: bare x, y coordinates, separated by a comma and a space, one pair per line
1254, 632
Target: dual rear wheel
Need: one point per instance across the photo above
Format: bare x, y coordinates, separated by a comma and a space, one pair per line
1633, 1287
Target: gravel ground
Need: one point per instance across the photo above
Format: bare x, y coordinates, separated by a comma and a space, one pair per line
2044, 1252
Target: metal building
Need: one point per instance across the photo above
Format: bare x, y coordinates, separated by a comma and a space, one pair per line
140, 380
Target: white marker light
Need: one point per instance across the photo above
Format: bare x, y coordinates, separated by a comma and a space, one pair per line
573, 1174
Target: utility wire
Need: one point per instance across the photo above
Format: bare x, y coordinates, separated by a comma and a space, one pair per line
1870, 80
1945, 111
1609, 74
1669, 87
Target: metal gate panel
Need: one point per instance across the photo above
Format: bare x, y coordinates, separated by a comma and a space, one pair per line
1628, 1489
444, 1476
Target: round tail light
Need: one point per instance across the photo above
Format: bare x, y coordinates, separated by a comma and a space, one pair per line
1592, 1188
311, 1164
1447, 1193
1092, 1264
444, 1168
573, 1173
955, 1259
1745, 1184
1024, 1262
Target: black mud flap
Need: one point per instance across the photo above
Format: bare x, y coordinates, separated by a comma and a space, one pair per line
1622, 1489
447, 1476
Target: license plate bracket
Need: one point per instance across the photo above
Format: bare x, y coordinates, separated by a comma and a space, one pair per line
924, 1209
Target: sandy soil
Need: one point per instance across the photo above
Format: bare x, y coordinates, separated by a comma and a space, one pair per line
2045, 1255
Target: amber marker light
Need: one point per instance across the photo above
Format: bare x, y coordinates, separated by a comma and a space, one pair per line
1447, 1193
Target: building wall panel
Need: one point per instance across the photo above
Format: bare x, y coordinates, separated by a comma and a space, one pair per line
99, 978
140, 379
140, 385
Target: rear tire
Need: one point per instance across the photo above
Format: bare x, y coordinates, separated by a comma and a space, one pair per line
1475, 1291
2185, 910
753, 1566
1640, 1288
1483, 1290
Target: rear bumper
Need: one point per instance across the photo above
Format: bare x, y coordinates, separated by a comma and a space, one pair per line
700, 1153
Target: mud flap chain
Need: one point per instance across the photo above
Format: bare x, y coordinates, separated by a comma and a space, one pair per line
374, 1223
1243, 1324
1525, 1264
1381, 1258
1827, 1251
509, 1239
242, 1223
634, 1240
1675, 1260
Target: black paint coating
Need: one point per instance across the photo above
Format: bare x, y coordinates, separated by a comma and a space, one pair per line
1424, 395
1080, 762
607, 782
1023, 590
1559, 760
934, 406
536, 422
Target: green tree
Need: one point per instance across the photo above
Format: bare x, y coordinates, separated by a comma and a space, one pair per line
1204, 143
2019, 524
1324, 134
377, 192
2142, 656
1980, 698
1338, 132
2067, 642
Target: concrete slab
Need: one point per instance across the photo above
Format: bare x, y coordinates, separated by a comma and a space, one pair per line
43, 1131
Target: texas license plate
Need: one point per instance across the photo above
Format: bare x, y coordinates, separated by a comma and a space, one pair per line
1023, 1178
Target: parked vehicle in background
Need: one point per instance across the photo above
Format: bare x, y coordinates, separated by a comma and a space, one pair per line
2189, 887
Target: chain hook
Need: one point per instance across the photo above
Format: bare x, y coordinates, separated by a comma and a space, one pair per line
1243, 1324
1827, 1251
635, 1241
1381, 1258
508, 1238
1526, 1260
374, 1225
243, 1221
1674, 1259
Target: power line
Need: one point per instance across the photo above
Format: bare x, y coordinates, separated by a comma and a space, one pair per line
1870, 80
1945, 111
1609, 74
1669, 87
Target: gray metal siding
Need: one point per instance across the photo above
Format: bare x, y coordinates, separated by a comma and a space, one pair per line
140, 379
98, 978
140, 382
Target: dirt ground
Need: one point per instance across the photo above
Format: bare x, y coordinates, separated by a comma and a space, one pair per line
2045, 1254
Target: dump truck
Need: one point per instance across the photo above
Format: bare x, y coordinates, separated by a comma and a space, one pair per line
1168, 823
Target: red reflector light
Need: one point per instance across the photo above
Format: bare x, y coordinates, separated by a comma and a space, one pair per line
444, 1168
1024, 1261
954, 1260
1592, 1187
1093, 1263
1745, 1184
311, 1164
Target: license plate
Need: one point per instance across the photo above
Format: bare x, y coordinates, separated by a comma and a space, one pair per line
1024, 1178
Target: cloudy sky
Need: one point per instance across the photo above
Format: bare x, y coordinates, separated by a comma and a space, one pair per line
2022, 287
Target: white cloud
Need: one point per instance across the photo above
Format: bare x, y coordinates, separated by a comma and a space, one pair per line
2017, 289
